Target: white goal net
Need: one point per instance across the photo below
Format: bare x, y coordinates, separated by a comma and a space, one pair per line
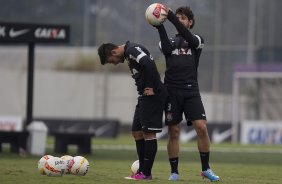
256, 96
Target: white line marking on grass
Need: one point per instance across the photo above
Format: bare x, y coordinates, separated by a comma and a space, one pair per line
163, 148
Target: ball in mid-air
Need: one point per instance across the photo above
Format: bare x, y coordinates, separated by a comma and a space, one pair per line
155, 14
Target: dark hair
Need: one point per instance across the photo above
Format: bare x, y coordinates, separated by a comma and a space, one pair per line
104, 51
186, 10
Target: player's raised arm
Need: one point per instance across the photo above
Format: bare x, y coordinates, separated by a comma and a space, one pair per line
194, 40
165, 44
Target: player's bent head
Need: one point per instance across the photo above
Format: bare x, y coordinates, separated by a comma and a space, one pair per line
104, 51
186, 10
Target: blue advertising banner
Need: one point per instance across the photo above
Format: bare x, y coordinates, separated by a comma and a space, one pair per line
261, 132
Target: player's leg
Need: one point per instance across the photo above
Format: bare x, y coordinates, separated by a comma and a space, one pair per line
173, 149
173, 116
140, 147
150, 152
151, 147
196, 113
151, 113
137, 134
203, 142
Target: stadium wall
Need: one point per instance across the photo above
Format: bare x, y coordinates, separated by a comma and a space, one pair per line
80, 95
74, 94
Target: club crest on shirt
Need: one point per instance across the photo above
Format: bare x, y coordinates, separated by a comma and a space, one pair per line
168, 116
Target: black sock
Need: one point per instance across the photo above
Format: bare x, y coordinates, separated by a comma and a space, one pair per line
174, 165
205, 156
151, 147
140, 147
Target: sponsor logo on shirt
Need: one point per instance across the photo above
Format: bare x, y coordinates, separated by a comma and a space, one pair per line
181, 51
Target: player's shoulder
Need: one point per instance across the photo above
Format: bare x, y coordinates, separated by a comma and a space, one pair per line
129, 46
133, 47
201, 39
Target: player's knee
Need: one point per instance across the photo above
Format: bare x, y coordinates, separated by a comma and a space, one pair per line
174, 132
149, 135
201, 129
137, 135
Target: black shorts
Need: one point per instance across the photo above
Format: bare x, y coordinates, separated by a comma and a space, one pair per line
183, 101
148, 116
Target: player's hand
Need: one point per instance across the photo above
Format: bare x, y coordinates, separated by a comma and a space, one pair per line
164, 13
166, 9
148, 92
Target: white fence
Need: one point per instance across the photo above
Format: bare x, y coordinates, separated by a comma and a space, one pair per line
80, 95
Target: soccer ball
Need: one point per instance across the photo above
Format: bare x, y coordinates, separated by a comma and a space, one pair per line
155, 14
41, 163
54, 166
134, 167
67, 161
79, 165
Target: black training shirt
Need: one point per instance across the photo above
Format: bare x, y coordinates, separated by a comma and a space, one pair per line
182, 54
142, 67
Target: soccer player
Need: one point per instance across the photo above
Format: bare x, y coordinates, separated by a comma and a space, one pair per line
148, 114
182, 54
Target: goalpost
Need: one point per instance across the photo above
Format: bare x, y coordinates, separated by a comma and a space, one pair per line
255, 96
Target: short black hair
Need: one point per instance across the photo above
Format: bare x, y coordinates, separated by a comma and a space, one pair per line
186, 10
104, 51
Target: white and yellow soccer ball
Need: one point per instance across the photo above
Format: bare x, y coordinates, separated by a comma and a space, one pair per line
79, 166
54, 166
134, 167
155, 14
67, 162
41, 163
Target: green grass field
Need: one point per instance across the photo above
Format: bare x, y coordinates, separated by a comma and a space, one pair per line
111, 160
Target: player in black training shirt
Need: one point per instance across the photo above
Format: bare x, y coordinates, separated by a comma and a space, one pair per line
148, 114
182, 54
